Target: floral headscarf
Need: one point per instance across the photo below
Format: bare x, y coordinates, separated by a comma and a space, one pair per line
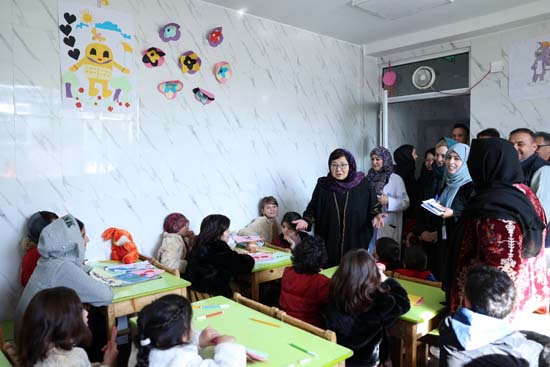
377, 180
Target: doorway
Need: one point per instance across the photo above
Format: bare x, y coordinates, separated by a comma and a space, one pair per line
422, 123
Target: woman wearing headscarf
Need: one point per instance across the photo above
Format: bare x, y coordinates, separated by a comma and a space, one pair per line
405, 167
342, 208
457, 191
504, 227
390, 193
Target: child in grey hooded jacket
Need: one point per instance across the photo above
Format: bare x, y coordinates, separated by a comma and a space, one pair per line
62, 251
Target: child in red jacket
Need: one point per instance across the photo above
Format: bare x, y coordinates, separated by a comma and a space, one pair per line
304, 292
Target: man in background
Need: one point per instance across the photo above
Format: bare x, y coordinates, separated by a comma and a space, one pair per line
543, 145
461, 133
524, 143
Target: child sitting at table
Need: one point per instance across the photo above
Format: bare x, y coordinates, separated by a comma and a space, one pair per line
363, 304
165, 337
54, 329
62, 247
212, 263
304, 292
478, 334
388, 252
265, 226
415, 264
290, 236
35, 225
176, 242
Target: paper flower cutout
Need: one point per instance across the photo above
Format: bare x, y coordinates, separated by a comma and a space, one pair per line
223, 71
153, 57
216, 37
203, 96
190, 62
170, 32
170, 88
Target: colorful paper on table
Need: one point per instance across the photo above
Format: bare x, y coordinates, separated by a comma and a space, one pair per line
170, 88
126, 274
203, 96
275, 257
241, 239
415, 300
216, 37
170, 32
190, 62
256, 356
97, 60
223, 72
153, 57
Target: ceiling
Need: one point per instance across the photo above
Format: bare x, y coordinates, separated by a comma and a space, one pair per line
341, 20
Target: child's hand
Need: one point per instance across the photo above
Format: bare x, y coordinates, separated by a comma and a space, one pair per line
207, 337
189, 233
110, 350
252, 247
290, 240
225, 339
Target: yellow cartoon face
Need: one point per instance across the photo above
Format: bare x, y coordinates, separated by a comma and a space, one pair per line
99, 53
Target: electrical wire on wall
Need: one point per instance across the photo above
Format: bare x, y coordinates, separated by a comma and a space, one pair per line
466, 91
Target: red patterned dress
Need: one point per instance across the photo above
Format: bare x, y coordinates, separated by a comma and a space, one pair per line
498, 243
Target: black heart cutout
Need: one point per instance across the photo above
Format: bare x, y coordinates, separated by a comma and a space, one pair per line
70, 18
65, 29
69, 41
74, 53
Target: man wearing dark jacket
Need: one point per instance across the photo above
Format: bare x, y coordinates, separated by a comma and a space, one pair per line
526, 146
477, 335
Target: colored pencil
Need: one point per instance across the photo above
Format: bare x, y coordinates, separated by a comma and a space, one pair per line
304, 350
210, 315
211, 306
265, 322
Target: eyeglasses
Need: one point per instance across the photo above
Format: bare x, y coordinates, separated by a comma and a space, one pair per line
543, 145
335, 166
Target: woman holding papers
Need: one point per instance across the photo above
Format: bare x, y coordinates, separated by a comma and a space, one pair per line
342, 208
390, 192
457, 190
504, 227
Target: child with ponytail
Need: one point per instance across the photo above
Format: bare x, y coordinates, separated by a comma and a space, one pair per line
166, 338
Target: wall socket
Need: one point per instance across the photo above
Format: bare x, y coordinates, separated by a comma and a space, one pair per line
497, 66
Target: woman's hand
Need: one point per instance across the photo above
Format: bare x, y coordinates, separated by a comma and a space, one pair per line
383, 199
428, 236
447, 213
208, 337
378, 221
301, 225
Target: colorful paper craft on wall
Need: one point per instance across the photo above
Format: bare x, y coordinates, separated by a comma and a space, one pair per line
170, 88
170, 32
216, 37
190, 62
153, 57
96, 59
223, 72
203, 96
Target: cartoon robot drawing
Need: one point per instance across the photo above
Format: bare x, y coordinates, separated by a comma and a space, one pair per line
98, 67
542, 62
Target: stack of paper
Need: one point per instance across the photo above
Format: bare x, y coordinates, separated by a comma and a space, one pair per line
126, 274
433, 207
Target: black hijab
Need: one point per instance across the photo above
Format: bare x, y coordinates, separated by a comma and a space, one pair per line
494, 166
405, 167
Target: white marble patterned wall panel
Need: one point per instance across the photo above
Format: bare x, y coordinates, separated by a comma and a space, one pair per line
294, 97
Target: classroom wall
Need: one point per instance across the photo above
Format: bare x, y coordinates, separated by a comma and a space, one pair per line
294, 97
490, 105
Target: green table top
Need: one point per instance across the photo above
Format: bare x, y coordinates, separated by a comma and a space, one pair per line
4, 362
282, 259
166, 282
430, 306
236, 321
